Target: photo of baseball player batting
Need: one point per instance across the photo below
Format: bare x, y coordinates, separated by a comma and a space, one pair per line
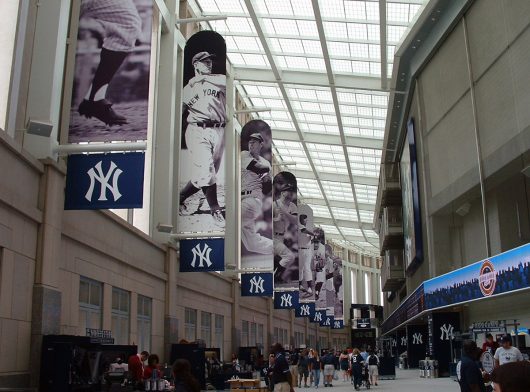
256, 195
285, 225
112, 68
330, 293
202, 173
306, 235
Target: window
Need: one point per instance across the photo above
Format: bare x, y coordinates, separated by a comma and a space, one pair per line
253, 332
206, 328
259, 337
219, 332
90, 304
190, 324
298, 339
244, 334
120, 315
312, 341
145, 311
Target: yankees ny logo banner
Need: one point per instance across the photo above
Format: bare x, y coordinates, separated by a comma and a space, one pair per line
305, 310
201, 204
110, 90
327, 321
286, 299
101, 181
256, 196
318, 317
256, 285
285, 224
199, 255
338, 324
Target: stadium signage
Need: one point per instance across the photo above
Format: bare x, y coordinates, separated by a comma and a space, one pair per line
487, 278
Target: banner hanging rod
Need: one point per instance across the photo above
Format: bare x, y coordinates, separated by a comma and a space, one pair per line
99, 147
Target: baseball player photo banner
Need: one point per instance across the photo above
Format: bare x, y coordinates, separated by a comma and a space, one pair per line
256, 196
305, 310
200, 255
337, 292
101, 181
286, 299
202, 167
257, 285
285, 225
110, 94
307, 235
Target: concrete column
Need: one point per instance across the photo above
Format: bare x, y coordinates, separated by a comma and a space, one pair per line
270, 322
346, 281
47, 299
133, 317
166, 130
373, 286
236, 319
171, 315
291, 329
360, 287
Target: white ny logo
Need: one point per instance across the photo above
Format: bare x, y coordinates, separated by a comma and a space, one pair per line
327, 322
403, 341
318, 316
394, 343
447, 331
287, 300
204, 255
417, 338
257, 284
337, 324
304, 310
103, 179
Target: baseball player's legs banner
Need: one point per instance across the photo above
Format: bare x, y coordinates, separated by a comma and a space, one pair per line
335, 293
256, 196
318, 266
202, 172
285, 224
111, 80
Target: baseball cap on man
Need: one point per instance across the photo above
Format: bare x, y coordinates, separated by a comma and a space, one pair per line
256, 136
202, 56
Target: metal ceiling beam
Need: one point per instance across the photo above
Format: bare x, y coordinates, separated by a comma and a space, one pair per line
307, 78
300, 37
331, 80
319, 138
323, 113
317, 88
342, 223
383, 45
303, 55
339, 204
347, 104
333, 177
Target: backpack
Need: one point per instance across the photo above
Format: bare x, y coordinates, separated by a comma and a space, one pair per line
372, 360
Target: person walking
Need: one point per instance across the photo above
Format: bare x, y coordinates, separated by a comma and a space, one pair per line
303, 369
373, 367
507, 353
357, 365
469, 375
281, 374
315, 366
329, 368
343, 362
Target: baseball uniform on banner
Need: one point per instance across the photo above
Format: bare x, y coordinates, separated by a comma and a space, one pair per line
200, 255
101, 181
256, 196
306, 238
110, 90
285, 225
202, 169
257, 285
320, 266
286, 299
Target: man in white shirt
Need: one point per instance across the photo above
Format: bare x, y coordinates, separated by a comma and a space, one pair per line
506, 353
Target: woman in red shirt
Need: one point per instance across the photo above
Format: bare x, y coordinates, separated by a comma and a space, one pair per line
152, 367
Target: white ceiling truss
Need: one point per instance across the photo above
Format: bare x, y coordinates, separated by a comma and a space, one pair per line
322, 67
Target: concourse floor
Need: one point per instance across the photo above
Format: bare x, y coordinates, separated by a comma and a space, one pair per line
406, 381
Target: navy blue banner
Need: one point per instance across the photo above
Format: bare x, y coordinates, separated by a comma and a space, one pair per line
338, 324
318, 317
103, 181
257, 285
305, 310
327, 321
286, 299
204, 254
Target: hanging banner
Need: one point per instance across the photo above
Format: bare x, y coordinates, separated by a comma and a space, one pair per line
401, 341
443, 327
111, 77
257, 285
286, 299
305, 310
101, 181
327, 321
285, 221
324, 279
307, 238
202, 168
338, 324
318, 317
256, 196
417, 339
199, 255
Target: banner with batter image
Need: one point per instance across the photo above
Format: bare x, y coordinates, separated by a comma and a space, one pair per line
110, 91
285, 226
336, 302
202, 168
324, 275
256, 196
307, 235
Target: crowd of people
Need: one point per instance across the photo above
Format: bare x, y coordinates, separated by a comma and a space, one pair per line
305, 369
511, 372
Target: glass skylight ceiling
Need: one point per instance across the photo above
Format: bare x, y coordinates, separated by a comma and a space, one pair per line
313, 118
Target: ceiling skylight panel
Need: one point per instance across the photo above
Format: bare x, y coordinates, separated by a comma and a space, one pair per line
332, 8
378, 112
316, 64
348, 231
344, 213
380, 100
285, 27
338, 49
280, 62
279, 7
256, 101
312, 47
327, 108
390, 51
350, 121
360, 67
379, 123
359, 50
240, 25
310, 117
335, 30
373, 32
273, 103
278, 114
364, 99
348, 109
285, 125
236, 59
375, 51
303, 93
324, 95
275, 45
291, 46
355, 9
209, 6
320, 211
394, 33
357, 31
331, 230
270, 91
375, 69
366, 216
310, 106
220, 26
352, 131
371, 234
296, 62
346, 97
255, 60
230, 6
307, 28
364, 111
372, 10
329, 120
341, 66
248, 43
397, 12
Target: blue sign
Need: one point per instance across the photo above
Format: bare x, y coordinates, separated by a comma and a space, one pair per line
318, 317
327, 321
203, 254
102, 181
257, 285
286, 299
305, 310
338, 324
506, 272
